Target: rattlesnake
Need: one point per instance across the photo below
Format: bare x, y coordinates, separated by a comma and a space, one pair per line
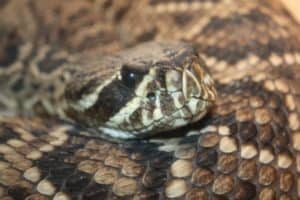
246, 146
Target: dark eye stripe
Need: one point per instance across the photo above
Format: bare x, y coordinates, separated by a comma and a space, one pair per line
111, 99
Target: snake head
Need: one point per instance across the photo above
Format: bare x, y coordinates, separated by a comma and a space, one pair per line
149, 89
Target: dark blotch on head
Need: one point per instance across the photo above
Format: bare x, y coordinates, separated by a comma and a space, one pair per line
114, 96
110, 100
77, 88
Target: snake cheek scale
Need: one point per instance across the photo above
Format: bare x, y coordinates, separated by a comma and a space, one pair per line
53, 65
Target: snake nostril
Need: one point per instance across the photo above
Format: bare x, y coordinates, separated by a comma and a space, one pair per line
151, 96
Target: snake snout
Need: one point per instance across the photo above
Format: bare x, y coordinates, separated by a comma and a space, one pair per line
197, 83
197, 89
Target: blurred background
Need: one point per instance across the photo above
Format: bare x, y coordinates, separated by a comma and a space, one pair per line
293, 6
76, 25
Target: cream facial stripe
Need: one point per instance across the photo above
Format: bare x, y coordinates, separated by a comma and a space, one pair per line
130, 107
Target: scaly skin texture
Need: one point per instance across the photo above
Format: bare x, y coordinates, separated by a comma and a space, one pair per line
247, 147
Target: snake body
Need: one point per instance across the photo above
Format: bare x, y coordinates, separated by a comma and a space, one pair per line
56, 57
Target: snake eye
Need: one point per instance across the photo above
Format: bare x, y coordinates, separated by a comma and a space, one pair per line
131, 76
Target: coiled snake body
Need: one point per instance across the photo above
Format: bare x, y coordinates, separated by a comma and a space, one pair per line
58, 62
